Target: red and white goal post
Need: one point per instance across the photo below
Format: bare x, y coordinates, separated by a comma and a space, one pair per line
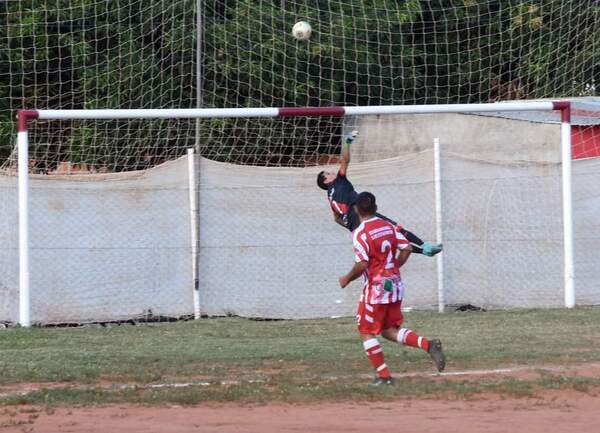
26, 117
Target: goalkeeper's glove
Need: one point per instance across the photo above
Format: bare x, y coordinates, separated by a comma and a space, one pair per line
351, 136
430, 249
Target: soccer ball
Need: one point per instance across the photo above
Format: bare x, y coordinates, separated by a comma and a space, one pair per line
302, 30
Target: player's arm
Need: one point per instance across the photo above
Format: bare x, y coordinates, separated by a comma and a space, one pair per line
356, 271
339, 218
403, 255
345, 155
361, 253
404, 249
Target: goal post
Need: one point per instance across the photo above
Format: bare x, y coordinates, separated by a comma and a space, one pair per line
25, 117
567, 190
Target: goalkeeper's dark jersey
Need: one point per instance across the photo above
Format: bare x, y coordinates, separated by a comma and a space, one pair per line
341, 195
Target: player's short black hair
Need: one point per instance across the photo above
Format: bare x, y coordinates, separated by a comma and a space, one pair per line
365, 204
321, 181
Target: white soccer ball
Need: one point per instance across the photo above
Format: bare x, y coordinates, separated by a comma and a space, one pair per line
302, 30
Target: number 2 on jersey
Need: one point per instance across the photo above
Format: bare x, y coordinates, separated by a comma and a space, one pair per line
387, 245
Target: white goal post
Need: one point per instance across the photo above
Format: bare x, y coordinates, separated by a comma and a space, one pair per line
26, 116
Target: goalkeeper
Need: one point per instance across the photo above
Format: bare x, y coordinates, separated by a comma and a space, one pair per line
341, 195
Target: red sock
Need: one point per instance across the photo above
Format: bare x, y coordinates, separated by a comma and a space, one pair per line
375, 354
412, 339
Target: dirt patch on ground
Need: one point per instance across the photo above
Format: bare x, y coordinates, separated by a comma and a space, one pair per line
560, 410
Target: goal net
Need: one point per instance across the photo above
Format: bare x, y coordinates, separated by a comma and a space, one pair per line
101, 190
86, 54
108, 245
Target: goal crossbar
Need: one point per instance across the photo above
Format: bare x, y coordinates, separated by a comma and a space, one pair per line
198, 113
24, 116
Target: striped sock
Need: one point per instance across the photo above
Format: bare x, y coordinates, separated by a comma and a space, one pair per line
412, 339
375, 354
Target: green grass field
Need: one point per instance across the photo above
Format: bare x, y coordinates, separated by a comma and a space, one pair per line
235, 359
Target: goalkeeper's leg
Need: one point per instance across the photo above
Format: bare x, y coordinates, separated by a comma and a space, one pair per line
420, 247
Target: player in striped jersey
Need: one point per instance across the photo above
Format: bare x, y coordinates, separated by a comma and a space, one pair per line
380, 251
341, 195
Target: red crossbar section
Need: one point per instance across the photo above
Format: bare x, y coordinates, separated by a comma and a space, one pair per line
23, 117
565, 110
311, 111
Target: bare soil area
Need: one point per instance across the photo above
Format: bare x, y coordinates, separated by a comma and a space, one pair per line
559, 410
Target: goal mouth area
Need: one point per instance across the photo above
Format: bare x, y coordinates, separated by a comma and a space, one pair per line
125, 259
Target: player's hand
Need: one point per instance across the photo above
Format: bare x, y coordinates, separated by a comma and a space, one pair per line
430, 249
343, 281
351, 136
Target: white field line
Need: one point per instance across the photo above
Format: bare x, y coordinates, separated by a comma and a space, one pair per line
536, 368
126, 386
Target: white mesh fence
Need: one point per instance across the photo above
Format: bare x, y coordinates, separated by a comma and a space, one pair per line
586, 209
116, 246
114, 243
103, 247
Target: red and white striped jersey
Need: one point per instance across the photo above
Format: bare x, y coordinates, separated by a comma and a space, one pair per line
376, 242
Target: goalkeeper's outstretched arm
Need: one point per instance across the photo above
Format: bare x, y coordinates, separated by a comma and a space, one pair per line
345, 155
